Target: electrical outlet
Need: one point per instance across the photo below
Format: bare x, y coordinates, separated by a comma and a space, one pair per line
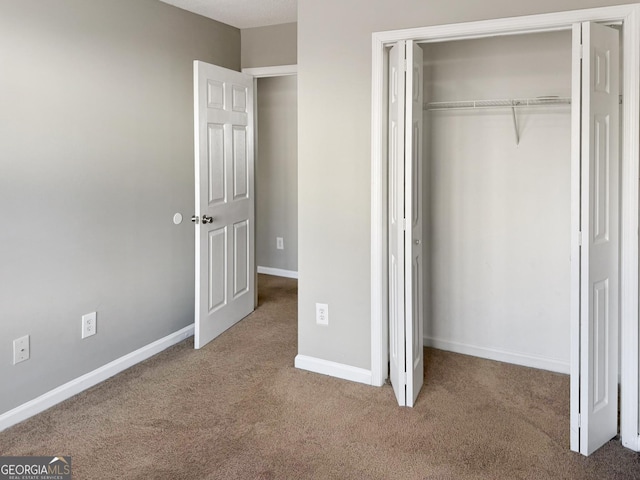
89, 324
21, 349
322, 314
280, 243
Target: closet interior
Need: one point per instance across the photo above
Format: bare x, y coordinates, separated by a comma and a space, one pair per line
496, 178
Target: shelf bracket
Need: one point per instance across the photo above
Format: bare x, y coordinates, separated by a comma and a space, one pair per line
515, 124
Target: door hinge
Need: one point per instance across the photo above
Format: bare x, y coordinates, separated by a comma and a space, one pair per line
581, 51
579, 421
579, 239
404, 224
406, 64
404, 378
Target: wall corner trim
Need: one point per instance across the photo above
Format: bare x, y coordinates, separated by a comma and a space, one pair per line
88, 380
278, 272
333, 369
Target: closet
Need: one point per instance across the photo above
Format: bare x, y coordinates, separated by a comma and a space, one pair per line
505, 205
496, 170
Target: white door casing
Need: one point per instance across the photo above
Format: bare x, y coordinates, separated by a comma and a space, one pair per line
406, 355
224, 199
599, 290
396, 222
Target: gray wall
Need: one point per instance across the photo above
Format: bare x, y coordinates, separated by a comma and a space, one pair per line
269, 46
277, 173
96, 155
334, 121
498, 214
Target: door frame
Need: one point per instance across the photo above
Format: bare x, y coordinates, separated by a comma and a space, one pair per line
256, 73
629, 16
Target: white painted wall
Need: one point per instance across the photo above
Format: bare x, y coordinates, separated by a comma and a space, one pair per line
96, 156
277, 173
269, 46
334, 169
498, 214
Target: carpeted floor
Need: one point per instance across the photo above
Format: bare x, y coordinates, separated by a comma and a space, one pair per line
238, 409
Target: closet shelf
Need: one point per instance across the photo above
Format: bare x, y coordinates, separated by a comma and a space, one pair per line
505, 103
512, 103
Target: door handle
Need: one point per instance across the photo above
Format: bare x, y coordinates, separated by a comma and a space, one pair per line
206, 219
195, 219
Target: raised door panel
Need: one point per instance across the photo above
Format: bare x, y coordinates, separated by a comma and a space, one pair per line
602, 162
217, 269
240, 258
215, 94
239, 99
240, 166
216, 162
600, 334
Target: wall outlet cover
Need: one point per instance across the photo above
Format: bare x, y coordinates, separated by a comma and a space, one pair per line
322, 314
89, 324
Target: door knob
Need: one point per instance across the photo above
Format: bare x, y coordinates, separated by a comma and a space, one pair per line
195, 219
206, 219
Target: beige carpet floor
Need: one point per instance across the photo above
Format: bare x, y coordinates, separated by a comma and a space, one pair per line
238, 409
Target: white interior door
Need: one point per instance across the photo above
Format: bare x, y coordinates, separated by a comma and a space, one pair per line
224, 186
406, 358
599, 291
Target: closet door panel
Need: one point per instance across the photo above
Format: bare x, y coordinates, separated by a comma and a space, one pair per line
414, 326
600, 232
396, 223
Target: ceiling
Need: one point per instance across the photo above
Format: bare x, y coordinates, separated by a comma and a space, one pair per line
242, 13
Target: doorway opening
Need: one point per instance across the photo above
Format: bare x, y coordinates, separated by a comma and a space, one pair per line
276, 160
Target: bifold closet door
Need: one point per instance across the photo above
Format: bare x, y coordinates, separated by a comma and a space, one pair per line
599, 257
405, 221
396, 222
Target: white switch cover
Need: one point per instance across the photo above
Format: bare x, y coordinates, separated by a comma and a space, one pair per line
280, 243
89, 324
322, 314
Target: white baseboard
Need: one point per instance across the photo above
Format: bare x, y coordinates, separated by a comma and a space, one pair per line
333, 369
278, 272
69, 389
634, 444
526, 360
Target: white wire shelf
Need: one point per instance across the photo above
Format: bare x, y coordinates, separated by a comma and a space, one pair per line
504, 103
512, 103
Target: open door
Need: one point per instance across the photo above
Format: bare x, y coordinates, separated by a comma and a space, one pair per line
224, 187
406, 357
599, 256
